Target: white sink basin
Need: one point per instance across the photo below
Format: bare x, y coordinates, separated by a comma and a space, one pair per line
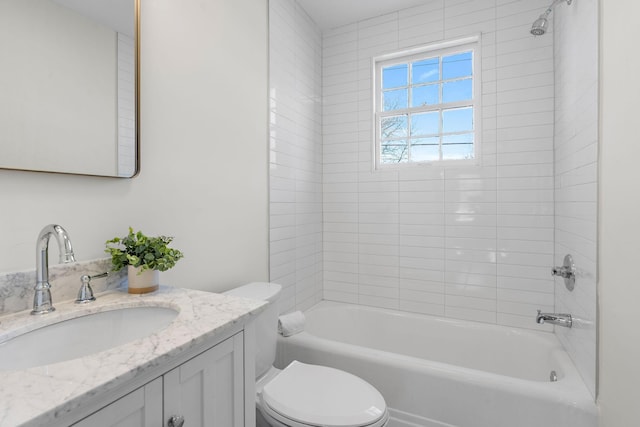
81, 336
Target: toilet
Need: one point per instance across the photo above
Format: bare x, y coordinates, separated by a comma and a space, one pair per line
303, 395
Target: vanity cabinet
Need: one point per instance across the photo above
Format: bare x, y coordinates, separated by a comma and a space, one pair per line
140, 408
207, 390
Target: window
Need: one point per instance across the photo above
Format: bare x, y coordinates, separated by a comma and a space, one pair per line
427, 104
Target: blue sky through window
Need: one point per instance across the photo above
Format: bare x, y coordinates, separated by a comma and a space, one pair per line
442, 83
395, 76
455, 66
457, 120
425, 71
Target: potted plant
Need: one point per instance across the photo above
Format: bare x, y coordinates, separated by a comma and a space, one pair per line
144, 256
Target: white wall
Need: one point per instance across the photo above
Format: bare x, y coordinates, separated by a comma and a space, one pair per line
295, 154
203, 152
467, 242
619, 205
576, 175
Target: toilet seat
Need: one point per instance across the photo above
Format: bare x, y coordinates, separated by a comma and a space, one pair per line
304, 395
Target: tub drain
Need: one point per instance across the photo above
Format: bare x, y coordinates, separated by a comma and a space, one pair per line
553, 377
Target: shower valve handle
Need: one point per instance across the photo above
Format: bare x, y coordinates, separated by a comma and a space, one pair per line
567, 271
176, 421
562, 272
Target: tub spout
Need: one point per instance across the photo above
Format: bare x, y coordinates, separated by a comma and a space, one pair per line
560, 319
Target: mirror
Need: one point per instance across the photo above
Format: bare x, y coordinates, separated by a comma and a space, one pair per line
69, 86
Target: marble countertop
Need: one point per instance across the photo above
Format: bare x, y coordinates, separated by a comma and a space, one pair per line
41, 395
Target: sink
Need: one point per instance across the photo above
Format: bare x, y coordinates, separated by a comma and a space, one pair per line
81, 336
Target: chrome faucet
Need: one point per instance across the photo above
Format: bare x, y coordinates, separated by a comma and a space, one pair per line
42, 299
559, 319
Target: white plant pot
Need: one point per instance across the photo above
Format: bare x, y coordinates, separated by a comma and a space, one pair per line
142, 282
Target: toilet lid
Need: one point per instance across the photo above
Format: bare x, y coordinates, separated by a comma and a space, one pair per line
323, 396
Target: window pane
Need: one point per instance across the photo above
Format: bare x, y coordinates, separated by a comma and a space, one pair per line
394, 153
459, 65
425, 153
457, 120
434, 140
395, 99
424, 95
395, 76
393, 127
463, 138
457, 152
425, 71
458, 90
425, 123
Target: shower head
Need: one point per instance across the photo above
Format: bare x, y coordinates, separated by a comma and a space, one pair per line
541, 25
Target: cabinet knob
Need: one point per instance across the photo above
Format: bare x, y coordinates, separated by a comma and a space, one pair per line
176, 421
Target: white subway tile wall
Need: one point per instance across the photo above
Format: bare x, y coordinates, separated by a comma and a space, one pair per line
472, 242
295, 153
576, 166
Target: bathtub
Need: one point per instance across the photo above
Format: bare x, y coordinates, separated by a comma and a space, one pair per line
436, 372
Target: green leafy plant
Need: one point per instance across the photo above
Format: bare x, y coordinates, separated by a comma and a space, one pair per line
138, 250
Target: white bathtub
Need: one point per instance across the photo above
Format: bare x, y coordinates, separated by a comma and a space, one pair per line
439, 372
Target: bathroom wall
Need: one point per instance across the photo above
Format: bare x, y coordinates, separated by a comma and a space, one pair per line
472, 242
295, 156
619, 210
576, 175
204, 172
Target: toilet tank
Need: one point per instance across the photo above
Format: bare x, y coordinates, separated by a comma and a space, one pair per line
266, 322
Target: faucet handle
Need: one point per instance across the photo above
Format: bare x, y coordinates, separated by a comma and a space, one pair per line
567, 271
85, 294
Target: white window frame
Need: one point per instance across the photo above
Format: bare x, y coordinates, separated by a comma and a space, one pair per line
471, 43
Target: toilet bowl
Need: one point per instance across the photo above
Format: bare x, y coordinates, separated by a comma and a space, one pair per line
303, 395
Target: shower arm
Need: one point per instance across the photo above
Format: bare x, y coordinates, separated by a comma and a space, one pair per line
547, 12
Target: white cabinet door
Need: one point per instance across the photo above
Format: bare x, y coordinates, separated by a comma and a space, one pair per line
140, 408
208, 390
